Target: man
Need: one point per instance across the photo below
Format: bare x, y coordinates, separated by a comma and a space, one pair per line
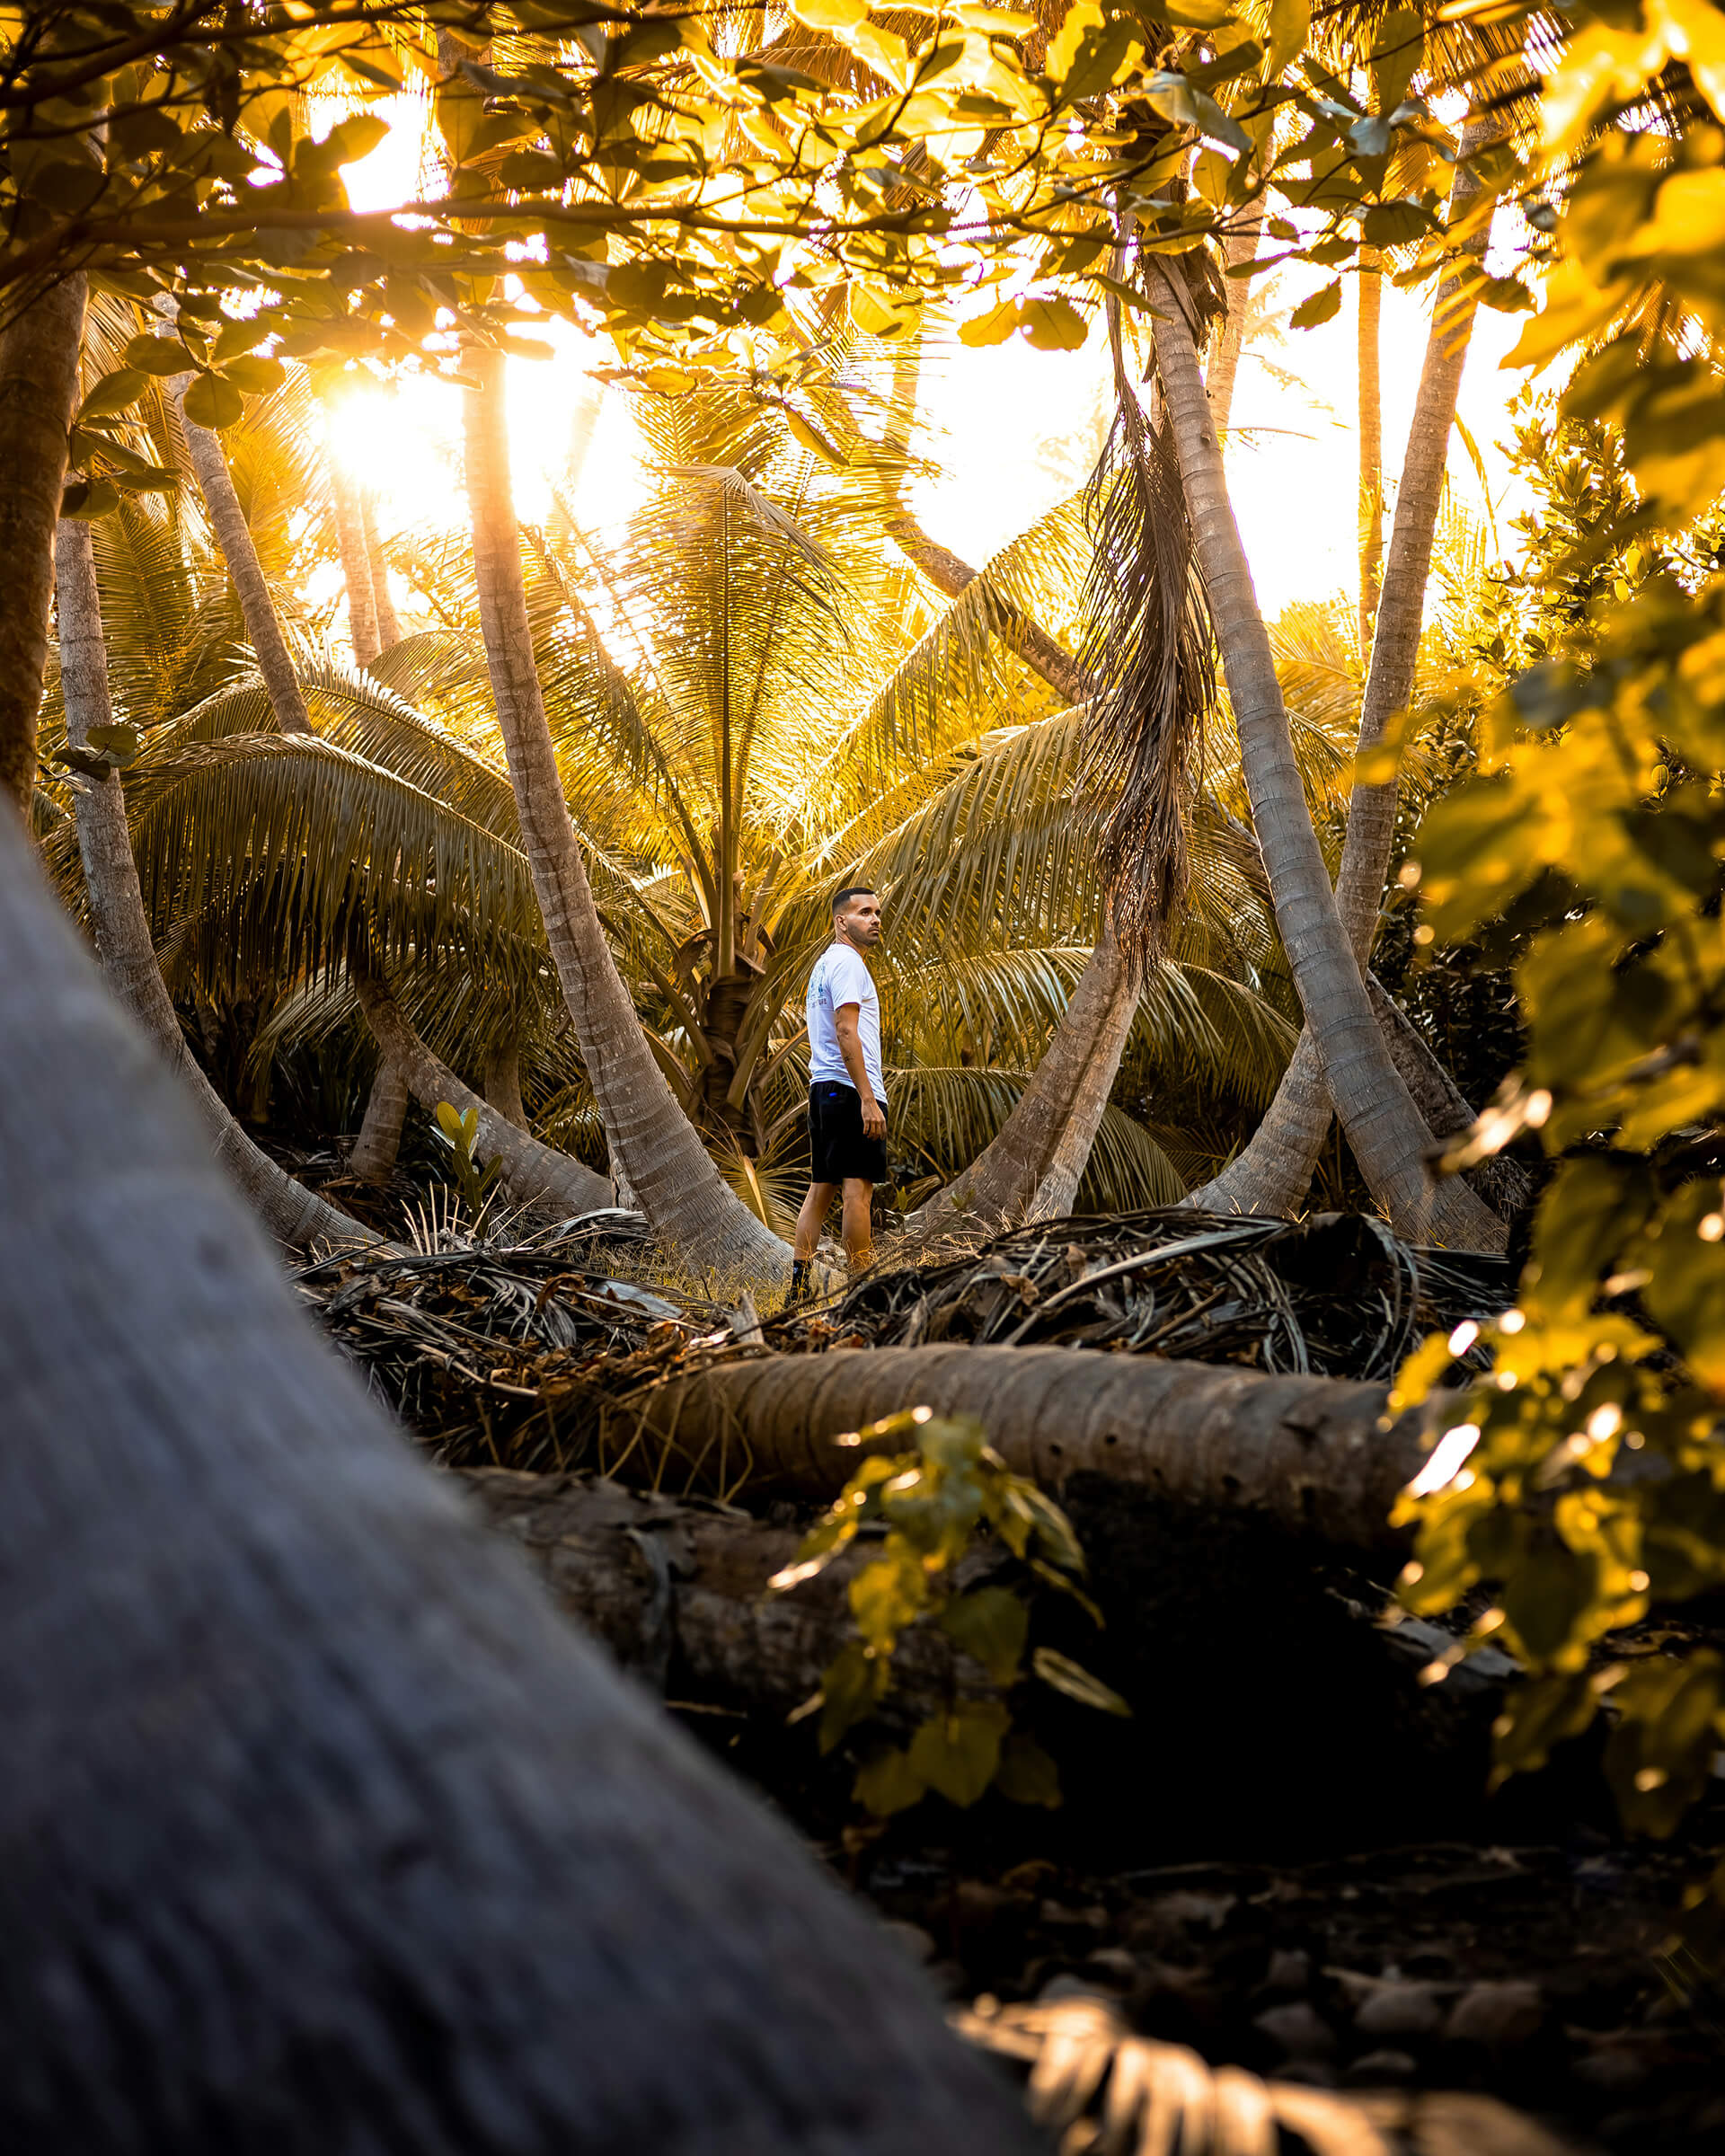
847, 1096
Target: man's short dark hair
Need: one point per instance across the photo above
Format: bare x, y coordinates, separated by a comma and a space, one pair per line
853, 890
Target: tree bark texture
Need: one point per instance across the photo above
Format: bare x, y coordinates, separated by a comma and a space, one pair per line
652, 1141
320, 1830
1275, 1170
356, 556
293, 1214
1057, 1192
234, 538
1369, 285
1223, 369
379, 1143
389, 629
38, 394
502, 1083
1315, 1455
1388, 1138
678, 1591
532, 1173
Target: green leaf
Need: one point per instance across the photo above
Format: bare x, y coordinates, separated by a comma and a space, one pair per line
1195, 14
991, 1624
957, 1753
113, 393
1536, 1714
213, 402
1290, 25
118, 741
448, 1121
84, 500
158, 356
256, 376
1026, 1775
1319, 307
887, 1782
1066, 1676
851, 1686
1396, 224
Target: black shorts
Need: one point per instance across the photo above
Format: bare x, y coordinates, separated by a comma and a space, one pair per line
836, 1144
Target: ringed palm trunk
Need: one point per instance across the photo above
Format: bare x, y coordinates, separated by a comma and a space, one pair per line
1274, 1172
378, 1146
356, 561
501, 1083
1057, 1193
652, 1141
294, 1214
319, 1829
38, 394
1223, 369
1383, 1127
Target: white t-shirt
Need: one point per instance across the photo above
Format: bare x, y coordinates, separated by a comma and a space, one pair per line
841, 978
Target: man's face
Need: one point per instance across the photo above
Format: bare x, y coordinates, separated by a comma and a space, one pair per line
860, 922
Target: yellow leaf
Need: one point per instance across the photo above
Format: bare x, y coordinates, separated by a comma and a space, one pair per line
1082, 16
1290, 25
1053, 326
830, 14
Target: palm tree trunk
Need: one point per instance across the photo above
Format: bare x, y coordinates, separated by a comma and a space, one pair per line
654, 1143
389, 629
321, 1829
1084, 1055
1274, 1172
378, 1146
294, 1214
356, 559
234, 538
1369, 285
1383, 1127
1221, 374
534, 1174
1057, 1193
501, 1083
39, 392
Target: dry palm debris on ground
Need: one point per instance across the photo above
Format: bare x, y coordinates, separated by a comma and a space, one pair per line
497, 1354
1337, 1294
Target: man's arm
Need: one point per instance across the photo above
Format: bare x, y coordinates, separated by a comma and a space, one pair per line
850, 1047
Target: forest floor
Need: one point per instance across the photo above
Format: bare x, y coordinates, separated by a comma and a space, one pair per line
1286, 1860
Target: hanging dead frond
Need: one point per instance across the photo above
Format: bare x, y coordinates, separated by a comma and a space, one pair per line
1149, 651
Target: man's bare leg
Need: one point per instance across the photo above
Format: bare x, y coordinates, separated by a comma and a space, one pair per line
811, 1221
859, 1222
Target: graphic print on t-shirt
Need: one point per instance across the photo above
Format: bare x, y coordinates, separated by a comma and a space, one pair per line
841, 978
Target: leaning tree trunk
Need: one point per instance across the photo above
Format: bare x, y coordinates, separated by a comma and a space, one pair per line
1316, 1455
1223, 369
1275, 1170
320, 1830
38, 394
378, 1146
292, 1214
356, 561
1369, 285
1388, 1138
652, 1141
389, 629
532, 1173
1057, 1193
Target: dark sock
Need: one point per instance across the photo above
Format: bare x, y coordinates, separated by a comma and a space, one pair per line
798, 1279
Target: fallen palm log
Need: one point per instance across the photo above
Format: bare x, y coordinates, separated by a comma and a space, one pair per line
677, 1589
1317, 1455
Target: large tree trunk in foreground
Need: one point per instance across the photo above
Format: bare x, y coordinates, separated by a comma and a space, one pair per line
38, 394
292, 1214
652, 1141
1388, 1138
1274, 1172
1309, 1453
532, 1173
320, 1831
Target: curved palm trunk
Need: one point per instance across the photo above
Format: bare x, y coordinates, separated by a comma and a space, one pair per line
389, 629
1369, 284
1383, 1126
1057, 1193
319, 1829
39, 392
1223, 369
378, 1146
534, 1174
1274, 1172
501, 1083
651, 1140
294, 1214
